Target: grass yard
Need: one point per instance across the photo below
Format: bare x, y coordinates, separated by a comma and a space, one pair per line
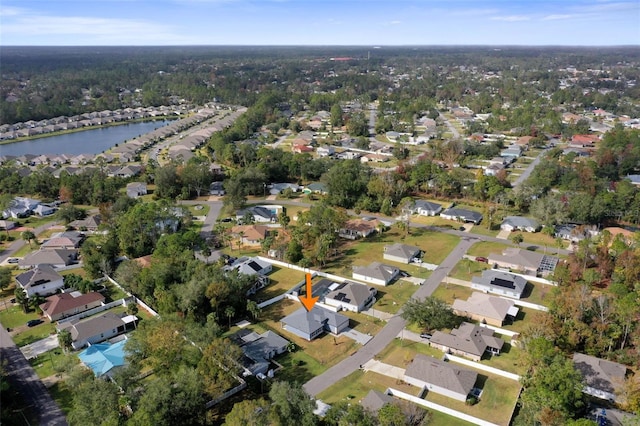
298, 367
482, 230
540, 239
364, 323
485, 248
44, 364
293, 211
401, 352
357, 385
525, 317
392, 297
112, 292
326, 350
451, 292
508, 360
435, 221
33, 334
198, 209
14, 317
496, 404
281, 280
536, 293
441, 419
467, 268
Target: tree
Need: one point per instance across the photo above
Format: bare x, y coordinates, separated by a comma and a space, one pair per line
229, 311
430, 313
68, 213
65, 340
291, 405
253, 309
95, 402
250, 412
5, 278
391, 415
132, 308
28, 236
35, 301
336, 115
294, 252
517, 238
21, 298
218, 366
345, 414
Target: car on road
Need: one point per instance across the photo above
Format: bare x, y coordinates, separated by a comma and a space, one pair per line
482, 259
426, 336
13, 260
34, 322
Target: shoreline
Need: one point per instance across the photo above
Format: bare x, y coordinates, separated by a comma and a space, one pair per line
82, 129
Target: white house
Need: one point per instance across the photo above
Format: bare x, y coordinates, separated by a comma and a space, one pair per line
426, 208
401, 253
500, 283
375, 273
519, 223
350, 296
42, 280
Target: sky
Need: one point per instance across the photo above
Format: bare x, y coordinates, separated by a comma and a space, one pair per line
319, 22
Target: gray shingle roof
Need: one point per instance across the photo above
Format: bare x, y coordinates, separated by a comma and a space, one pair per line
599, 373
401, 250
39, 275
469, 338
377, 270
442, 374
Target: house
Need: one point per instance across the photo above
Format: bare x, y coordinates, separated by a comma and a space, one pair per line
20, 207
64, 240
277, 188
426, 208
102, 358
67, 304
401, 253
95, 329
601, 377
259, 214
525, 261
253, 266
468, 340
42, 280
58, 258
91, 223
251, 235
316, 188
462, 215
501, 283
375, 273
44, 210
311, 324
486, 309
326, 150
358, 228
374, 158
513, 151
216, 188
7, 225
519, 223
300, 148
375, 400
575, 233
635, 179
440, 377
350, 296
136, 189
258, 349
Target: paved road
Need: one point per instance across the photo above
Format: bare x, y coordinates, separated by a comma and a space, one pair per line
19, 243
24, 378
452, 129
390, 330
527, 172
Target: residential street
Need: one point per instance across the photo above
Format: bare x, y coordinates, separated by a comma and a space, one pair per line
390, 330
23, 377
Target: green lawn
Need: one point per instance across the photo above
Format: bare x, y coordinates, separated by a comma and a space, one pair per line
298, 367
357, 385
508, 360
401, 352
33, 334
392, 297
485, 248
281, 280
451, 292
44, 364
198, 209
482, 230
15, 317
112, 293
467, 268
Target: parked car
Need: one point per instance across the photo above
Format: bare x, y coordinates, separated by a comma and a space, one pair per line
482, 259
462, 228
13, 260
34, 322
403, 274
426, 336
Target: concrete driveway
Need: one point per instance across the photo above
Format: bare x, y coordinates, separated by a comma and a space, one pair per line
41, 346
356, 335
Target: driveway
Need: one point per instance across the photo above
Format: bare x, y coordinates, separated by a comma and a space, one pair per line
356, 335
384, 369
24, 378
41, 346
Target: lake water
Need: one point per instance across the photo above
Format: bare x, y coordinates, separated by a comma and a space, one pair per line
92, 141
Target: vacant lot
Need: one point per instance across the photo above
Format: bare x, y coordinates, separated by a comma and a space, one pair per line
281, 280
485, 248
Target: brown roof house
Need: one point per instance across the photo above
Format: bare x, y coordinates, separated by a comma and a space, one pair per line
486, 309
68, 304
252, 235
42, 280
468, 340
440, 377
601, 377
358, 228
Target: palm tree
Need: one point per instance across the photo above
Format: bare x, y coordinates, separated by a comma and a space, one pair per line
35, 301
229, 312
253, 309
65, 340
21, 298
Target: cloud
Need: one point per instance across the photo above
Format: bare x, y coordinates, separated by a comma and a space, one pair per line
395, 22
7, 11
511, 18
557, 17
90, 29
